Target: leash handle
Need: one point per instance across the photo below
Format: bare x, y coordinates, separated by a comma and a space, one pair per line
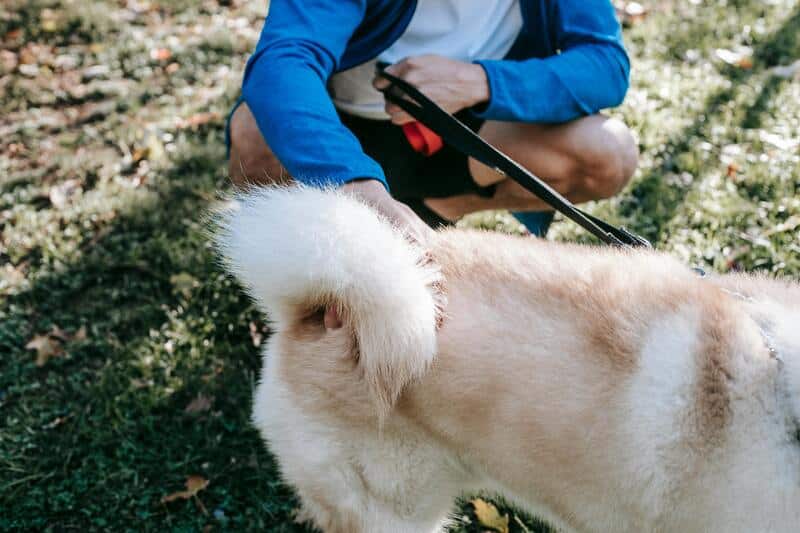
456, 134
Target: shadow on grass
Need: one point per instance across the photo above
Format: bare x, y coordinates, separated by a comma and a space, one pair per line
101, 435
652, 202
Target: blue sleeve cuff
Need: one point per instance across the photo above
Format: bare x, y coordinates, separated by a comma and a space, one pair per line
524, 93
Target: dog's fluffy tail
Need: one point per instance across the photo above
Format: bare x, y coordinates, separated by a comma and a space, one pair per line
301, 248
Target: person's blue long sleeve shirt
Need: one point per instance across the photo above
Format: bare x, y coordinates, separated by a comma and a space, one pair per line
567, 62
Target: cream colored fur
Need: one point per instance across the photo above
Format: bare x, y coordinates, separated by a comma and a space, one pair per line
604, 390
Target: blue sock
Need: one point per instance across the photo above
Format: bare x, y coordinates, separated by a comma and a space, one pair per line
537, 222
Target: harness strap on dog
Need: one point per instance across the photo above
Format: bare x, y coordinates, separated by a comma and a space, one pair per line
456, 134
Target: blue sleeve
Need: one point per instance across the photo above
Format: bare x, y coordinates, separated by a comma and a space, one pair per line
285, 88
589, 74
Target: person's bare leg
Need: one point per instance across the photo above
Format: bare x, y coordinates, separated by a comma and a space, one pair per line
251, 161
586, 159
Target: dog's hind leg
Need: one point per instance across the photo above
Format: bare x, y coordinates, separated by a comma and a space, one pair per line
368, 482
353, 480
410, 484
379, 495
351, 498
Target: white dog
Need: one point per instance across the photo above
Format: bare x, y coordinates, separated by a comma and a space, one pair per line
602, 389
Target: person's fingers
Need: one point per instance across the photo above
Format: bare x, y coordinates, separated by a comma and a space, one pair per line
416, 229
402, 118
399, 69
380, 82
392, 109
396, 114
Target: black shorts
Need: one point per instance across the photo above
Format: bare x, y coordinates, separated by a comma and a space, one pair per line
411, 175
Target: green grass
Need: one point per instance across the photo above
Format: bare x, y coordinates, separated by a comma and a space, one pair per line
102, 188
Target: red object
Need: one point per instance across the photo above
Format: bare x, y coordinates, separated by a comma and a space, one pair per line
422, 139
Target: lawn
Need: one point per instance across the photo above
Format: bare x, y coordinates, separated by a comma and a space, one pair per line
128, 359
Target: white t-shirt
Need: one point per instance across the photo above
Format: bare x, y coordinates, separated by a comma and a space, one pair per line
459, 29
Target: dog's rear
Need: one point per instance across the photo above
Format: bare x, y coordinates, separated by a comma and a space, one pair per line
605, 390
303, 254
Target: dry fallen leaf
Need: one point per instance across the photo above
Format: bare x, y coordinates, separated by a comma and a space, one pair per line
12, 275
194, 484
80, 335
8, 61
197, 120
489, 516
160, 54
200, 404
46, 346
742, 57
13, 35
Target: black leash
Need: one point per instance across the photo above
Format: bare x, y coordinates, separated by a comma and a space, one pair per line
456, 134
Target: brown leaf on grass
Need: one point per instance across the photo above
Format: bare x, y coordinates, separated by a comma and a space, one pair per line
200, 404
11, 275
489, 516
60, 334
80, 335
46, 346
16, 150
160, 54
36, 54
742, 57
139, 154
194, 484
8, 61
13, 35
51, 344
197, 120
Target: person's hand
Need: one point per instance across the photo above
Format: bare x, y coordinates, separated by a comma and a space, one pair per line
454, 85
375, 194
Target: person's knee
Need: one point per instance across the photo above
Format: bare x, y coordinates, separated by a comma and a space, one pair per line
610, 162
251, 160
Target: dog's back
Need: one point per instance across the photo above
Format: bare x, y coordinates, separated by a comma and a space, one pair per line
603, 389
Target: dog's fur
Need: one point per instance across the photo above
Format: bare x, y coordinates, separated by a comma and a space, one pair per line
602, 389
